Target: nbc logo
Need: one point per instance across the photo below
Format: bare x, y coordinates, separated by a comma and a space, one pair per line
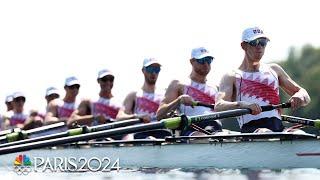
22, 164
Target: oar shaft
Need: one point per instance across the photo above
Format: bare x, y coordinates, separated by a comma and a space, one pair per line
73, 132
299, 120
81, 137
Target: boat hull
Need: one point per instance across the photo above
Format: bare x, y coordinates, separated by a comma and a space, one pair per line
272, 154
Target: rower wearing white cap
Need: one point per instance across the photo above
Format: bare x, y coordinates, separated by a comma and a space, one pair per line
99, 111
180, 96
256, 84
8, 102
19, 118
146, 101
51, 94
61, 109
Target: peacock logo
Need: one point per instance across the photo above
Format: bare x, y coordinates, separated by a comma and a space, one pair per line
22, 164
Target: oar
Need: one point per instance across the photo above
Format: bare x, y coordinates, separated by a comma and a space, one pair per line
170, 123
76, 131
309, 122
18, 134
8, 131
197, 103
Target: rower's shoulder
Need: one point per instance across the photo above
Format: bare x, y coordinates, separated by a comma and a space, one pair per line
230, 75
276, 67
176, 84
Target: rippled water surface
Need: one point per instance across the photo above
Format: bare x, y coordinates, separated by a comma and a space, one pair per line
159, 174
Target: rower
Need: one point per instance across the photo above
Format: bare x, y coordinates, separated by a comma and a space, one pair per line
146, 101
51, 94
8, 113
59, 110
20, 119
8, 102
256, 84
180, 96
102, 110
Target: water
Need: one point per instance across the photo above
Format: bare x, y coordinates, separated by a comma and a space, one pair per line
164, 174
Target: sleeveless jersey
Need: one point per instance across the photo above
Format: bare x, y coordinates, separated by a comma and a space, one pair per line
147, 103
260, 87
199, 92
107, 107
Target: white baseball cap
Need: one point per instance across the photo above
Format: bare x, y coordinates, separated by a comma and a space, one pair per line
71, 81
9, 98
18, 94
104, 72
253, 33
52, 90
200, 52
148, 61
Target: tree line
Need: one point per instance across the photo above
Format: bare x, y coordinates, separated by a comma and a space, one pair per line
303, 66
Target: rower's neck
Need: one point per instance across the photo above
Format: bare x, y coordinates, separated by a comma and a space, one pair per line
249, 65
198, 78
106, 94
69, 99
149, 88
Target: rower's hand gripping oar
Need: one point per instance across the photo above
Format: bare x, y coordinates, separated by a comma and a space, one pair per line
198, 103
181, 122
304, 121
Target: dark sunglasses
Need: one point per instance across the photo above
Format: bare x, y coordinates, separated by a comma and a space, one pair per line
75, 86
19, 99
107, 78
262, 42
152, 69
205, 60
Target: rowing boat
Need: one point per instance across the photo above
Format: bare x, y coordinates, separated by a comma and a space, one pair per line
267, 150
235, 150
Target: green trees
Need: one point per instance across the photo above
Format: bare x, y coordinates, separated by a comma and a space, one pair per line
304, 67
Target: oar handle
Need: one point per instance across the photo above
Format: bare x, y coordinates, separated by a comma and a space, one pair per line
299, 120
264, 108
272, 107
197, 103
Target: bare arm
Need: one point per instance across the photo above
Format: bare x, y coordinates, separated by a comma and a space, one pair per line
52, 113
81, 116
226, 96
172, 99
129, 103
299, 96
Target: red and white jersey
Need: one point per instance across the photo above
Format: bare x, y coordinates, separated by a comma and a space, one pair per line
199, 92
66, 109
260, 87
17, 118
147, 103
107, 107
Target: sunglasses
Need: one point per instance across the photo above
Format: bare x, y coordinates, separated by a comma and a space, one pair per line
205, 60
107, 78
75, 86
152, 69
262, 42
19, 99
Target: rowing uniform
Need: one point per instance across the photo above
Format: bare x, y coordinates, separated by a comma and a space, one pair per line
203, 93
66, 109
147, 103
260, 87
107, 107
17, 118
